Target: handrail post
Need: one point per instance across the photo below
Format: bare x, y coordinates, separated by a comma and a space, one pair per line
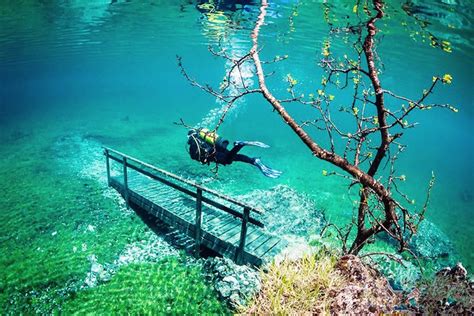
239, 258
197, 226
107, 165
125, 181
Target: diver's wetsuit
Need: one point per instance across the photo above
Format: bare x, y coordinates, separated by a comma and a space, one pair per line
206, 153
226, 157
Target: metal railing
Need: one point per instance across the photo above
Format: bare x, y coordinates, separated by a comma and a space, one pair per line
179, 184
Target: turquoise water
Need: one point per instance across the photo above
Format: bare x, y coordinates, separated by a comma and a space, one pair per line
78, 75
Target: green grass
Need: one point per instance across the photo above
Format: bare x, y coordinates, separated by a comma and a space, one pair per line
45, 241
168, 287
297, 287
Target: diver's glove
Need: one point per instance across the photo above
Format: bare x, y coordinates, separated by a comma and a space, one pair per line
267, 171
249, 143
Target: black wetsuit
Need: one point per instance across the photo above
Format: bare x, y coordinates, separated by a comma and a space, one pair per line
206, 153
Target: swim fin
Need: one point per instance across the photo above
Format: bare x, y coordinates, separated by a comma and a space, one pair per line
267, 171
251, 143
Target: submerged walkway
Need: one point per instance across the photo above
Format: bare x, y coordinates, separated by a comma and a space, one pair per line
213, 220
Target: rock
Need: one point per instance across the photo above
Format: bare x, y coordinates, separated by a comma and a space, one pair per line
366, 290
451, 292
98, 273
235, 284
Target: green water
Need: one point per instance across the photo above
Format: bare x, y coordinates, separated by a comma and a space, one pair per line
76, 76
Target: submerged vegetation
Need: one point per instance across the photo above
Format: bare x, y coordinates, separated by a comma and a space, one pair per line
301, 286
166, 287
320, 284
69, 227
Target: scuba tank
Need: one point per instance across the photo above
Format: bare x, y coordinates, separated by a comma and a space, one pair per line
202, 144
208, 136
212, 138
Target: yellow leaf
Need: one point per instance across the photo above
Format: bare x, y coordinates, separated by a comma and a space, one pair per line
355, 110
447, 78
331, 97
452, 108
447, 49
434, 78
354, 9
325, 173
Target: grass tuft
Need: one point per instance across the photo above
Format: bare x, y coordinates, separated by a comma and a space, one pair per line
297, 287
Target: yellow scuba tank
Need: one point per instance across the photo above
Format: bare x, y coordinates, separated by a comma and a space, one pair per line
208, 136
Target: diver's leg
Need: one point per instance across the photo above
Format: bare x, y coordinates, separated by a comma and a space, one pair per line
238, 145
251, 143
231, 154
244, 158
267, 171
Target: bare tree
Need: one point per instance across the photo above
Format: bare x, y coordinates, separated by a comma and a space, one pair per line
371, 147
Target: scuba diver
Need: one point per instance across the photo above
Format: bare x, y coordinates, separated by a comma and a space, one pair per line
206, 147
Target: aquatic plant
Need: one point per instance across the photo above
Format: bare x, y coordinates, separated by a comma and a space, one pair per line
59, 243
297, 287
167, 287
320, 284
366, 154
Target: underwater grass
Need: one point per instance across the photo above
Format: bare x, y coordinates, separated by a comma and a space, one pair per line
167, 287
52, 221
296, 287
49, 237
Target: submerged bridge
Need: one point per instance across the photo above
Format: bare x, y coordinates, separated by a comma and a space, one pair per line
211, 219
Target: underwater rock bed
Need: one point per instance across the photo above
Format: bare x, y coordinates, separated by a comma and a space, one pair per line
288, 212
364, 291
235, 284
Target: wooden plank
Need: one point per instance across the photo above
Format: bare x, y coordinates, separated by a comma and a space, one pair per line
243, 237
276, 249
197, 223
220, 230
188, 214
188, 192
268, 245
218, 245
209, 217
107, 166
252, 234
235, 238
113, 153
258, 242
213, 219
125, 183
